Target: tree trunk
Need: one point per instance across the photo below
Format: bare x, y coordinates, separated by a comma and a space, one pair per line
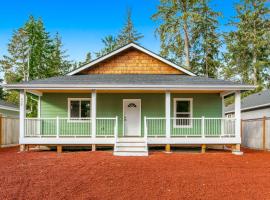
255, 80
254, 60
187, 45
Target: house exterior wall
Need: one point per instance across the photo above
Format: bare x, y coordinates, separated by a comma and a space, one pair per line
111, 105
256, 113
9, 113
56, 104
132, 61
253, 114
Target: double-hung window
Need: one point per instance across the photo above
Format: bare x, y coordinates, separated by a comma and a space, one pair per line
79, 108
183, 111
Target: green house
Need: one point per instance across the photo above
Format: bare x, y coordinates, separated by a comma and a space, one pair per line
130, 98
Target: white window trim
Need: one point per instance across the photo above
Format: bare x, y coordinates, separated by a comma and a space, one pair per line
174, 112
78, 99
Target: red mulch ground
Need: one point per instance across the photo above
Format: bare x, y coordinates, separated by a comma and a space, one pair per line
100, 175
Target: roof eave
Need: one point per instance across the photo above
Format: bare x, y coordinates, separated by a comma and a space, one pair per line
123, 86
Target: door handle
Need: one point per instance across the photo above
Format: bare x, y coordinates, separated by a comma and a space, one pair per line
125, 118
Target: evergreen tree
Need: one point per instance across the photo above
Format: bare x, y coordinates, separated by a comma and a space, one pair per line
109, 43
128, 33
248, 47
205, 40
2, 92
87, 59
59, 64
32, 54
176, 18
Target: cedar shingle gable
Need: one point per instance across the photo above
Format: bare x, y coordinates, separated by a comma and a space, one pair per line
131, 61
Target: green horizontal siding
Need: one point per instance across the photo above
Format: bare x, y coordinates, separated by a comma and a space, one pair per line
56, 104
207, 105
111, 105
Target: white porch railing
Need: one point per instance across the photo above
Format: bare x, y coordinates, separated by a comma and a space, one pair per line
108, 127
191, 127
69, 127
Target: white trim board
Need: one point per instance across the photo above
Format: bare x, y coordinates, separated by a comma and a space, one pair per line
136, 47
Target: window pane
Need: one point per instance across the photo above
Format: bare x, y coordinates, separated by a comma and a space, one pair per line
74, 109
182, 106
85, 108
183, 122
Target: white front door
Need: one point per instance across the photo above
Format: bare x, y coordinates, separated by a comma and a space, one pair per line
132, 117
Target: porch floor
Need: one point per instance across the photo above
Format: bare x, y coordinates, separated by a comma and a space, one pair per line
100, 175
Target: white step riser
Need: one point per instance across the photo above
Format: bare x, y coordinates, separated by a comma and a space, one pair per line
130, 140
124, 153
131, 149
132, 144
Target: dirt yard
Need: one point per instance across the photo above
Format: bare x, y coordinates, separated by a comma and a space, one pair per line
100, 175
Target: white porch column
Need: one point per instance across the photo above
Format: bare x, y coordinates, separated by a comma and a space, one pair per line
223, 106
237, 111
39, 106
22, 115
94, 112
168, 113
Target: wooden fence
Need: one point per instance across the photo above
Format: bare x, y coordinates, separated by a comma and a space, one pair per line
256, 133
9, 131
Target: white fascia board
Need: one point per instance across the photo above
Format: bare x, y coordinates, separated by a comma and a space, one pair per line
9, 108
131, 87
124, 48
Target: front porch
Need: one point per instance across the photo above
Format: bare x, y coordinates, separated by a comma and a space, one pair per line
160, 123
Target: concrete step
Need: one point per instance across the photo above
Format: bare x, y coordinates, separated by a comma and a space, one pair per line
130, 153
130, 144
131, 149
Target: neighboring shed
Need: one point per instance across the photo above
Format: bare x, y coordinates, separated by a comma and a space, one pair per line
9, 124
255, 114
9, 109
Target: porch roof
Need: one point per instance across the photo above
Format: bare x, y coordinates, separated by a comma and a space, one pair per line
97, 81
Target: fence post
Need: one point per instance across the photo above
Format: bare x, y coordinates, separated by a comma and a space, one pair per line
57, 127
1, 132
203, 126
264, 133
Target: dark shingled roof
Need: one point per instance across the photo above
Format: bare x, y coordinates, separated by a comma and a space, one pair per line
6, 104
117, 79
258, 100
